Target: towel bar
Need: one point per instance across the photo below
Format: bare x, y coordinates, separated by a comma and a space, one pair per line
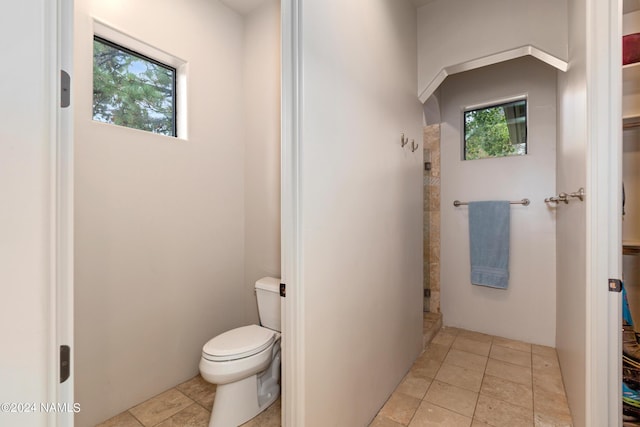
524, 202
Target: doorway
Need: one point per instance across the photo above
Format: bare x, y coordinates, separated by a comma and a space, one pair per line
172, 232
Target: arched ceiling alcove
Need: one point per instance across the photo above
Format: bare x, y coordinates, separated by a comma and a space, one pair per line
549, 59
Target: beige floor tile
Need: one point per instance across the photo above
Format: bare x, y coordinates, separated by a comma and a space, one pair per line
517, 357
509, 371
435, 351
274, 411
508, 391
270, 417
451, 330
460, 377
380, 421
545, 362
498, 413
477, 423
550, 404
478, 336
192, 416
400, 408
543, 350
124, 419
413, 385
453, 398
545, 420
199, 390
550, 381
512, 344
472, 346
467, 360
443, 338
425, 368
429, 415
161, 407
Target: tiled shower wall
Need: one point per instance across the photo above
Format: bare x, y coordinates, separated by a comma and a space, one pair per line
432, 217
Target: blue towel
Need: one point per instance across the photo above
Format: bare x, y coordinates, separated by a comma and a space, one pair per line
489, 224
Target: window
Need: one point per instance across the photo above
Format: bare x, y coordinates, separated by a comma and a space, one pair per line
496, 131
132, 90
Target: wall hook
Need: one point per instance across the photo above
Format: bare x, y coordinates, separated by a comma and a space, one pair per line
562, 197
578, 194
403, 140
414, 146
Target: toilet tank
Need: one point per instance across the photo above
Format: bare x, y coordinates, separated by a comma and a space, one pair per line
268, 295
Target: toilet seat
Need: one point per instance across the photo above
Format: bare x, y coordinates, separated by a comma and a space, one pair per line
238, 343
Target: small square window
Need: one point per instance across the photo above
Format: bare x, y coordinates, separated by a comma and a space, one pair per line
132, 90
496, 131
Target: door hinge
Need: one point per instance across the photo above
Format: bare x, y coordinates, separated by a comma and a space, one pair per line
283, 290
427, 293
615, 285
65, 89
65, 363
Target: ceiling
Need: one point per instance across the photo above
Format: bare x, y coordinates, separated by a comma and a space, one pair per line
243, 7
630, 5
419, 3
247, 6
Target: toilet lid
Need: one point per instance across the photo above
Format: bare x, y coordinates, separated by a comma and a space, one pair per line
238, 343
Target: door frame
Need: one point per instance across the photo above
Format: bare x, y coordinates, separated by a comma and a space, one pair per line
60, 16
604, 212
293, 401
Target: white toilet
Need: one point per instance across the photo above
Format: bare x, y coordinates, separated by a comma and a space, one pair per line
245, 362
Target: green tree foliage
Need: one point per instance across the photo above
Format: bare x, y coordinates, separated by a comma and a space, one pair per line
487, 134
131, 91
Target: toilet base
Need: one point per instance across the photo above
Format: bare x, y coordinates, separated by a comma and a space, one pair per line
237, 402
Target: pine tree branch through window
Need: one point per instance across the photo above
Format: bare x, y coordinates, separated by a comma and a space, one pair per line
132, 90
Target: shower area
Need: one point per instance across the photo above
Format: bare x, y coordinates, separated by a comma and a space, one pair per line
451, 173
431, 194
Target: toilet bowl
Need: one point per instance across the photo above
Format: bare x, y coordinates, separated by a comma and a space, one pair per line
245, 363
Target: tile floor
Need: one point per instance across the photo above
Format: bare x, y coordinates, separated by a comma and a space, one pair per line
463, 378
186, 405
469, 379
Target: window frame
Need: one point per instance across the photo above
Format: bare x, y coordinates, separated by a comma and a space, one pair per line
493, 104
158, 56
174, 80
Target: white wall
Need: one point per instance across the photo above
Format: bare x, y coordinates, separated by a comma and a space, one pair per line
159, 221
631, 221
571, 218
361, 206
452, 32
26, 146
526, 309
262, 147
631, 178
